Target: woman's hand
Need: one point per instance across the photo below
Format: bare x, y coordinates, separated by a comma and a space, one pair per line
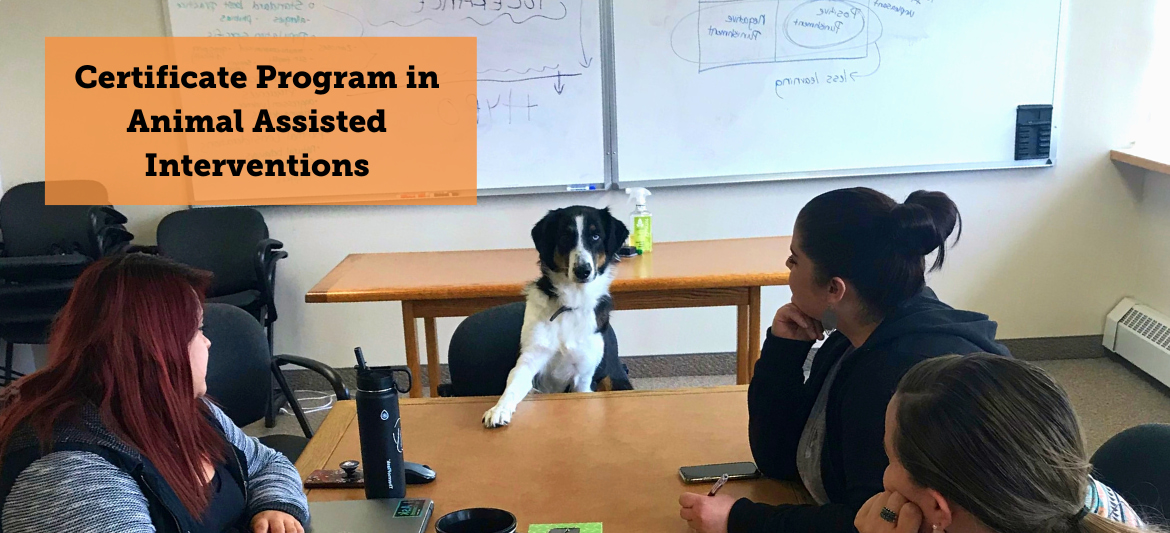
275, 522
791, 323
705, 514
869, 518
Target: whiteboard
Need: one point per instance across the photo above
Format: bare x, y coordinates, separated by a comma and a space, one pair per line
539, 93
710, 89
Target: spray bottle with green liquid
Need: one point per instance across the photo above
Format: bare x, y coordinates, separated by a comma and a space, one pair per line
641, 236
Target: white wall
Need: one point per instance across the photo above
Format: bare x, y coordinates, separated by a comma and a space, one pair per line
1045, 252
1153, 283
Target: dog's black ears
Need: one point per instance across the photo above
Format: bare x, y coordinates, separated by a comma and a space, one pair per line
543, 236
616, 232
541, 229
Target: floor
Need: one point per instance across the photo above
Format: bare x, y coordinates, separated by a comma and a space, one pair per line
1109, 396
1107, 393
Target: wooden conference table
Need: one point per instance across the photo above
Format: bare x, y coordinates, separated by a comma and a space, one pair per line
609, 457
451, 284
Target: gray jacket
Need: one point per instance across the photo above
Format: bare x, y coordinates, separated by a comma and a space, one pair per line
78, 491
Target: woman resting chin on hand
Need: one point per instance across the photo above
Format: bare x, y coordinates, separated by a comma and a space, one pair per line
906, 517
857, 267
1000, 412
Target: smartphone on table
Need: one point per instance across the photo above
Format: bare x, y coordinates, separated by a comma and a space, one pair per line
711, 473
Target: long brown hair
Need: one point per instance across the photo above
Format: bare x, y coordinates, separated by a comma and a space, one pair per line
121, 344
998, 437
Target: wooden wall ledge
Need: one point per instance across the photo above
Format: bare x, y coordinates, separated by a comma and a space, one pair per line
1144, 158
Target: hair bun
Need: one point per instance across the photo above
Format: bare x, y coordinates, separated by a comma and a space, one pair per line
923, 223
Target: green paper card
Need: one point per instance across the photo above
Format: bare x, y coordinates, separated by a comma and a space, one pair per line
594, 527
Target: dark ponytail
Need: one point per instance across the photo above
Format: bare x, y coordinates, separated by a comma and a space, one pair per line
875, 243
923, 223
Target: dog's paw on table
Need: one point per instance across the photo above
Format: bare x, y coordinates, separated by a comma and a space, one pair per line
497, 417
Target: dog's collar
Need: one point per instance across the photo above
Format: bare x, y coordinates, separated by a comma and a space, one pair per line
559, 311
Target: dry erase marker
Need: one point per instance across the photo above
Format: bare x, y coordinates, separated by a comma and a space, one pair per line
579, 188
718, 485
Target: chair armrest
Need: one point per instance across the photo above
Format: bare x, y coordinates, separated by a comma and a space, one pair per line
43, 267
104, 215
112, 240
324, 370
107, 231
266, 246
268, 252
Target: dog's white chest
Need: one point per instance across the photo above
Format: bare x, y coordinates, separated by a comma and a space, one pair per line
570, 339
565, 333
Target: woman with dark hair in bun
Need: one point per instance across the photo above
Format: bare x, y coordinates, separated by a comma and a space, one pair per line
858, 265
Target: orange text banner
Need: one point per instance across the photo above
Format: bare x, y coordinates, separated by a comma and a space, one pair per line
261, 121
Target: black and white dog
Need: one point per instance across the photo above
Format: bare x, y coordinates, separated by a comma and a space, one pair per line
561, 343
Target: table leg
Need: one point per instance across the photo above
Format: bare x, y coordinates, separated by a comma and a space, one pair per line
433, 370
754, 312
410, 332
742, 352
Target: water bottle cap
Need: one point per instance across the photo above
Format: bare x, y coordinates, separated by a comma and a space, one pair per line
377, 379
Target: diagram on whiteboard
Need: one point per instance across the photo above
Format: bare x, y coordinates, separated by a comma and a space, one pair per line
538, 77
741, 32
517, 83
731, 33
538, 86
533, 54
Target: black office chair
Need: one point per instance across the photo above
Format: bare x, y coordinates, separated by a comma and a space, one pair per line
485, 346
1136, 463
239, 359
45, 248
232, 243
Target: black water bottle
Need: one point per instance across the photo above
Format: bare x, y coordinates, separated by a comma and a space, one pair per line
380, 429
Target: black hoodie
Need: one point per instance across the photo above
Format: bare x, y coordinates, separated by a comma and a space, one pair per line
853, 459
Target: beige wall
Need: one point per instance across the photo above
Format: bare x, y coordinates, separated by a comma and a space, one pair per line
1045, 252
1153, 286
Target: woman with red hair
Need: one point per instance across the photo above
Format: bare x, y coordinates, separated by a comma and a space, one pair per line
115, 435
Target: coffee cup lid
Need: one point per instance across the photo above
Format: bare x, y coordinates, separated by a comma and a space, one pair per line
479, 520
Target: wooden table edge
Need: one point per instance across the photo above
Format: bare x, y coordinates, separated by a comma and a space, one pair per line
534, 397
516, 290
322, 291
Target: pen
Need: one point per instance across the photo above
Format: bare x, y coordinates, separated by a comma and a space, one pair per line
718, 485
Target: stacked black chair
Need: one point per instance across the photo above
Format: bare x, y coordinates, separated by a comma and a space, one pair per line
238, 359
44, 249
233, 244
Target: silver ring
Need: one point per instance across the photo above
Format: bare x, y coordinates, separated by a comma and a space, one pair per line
888, 515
